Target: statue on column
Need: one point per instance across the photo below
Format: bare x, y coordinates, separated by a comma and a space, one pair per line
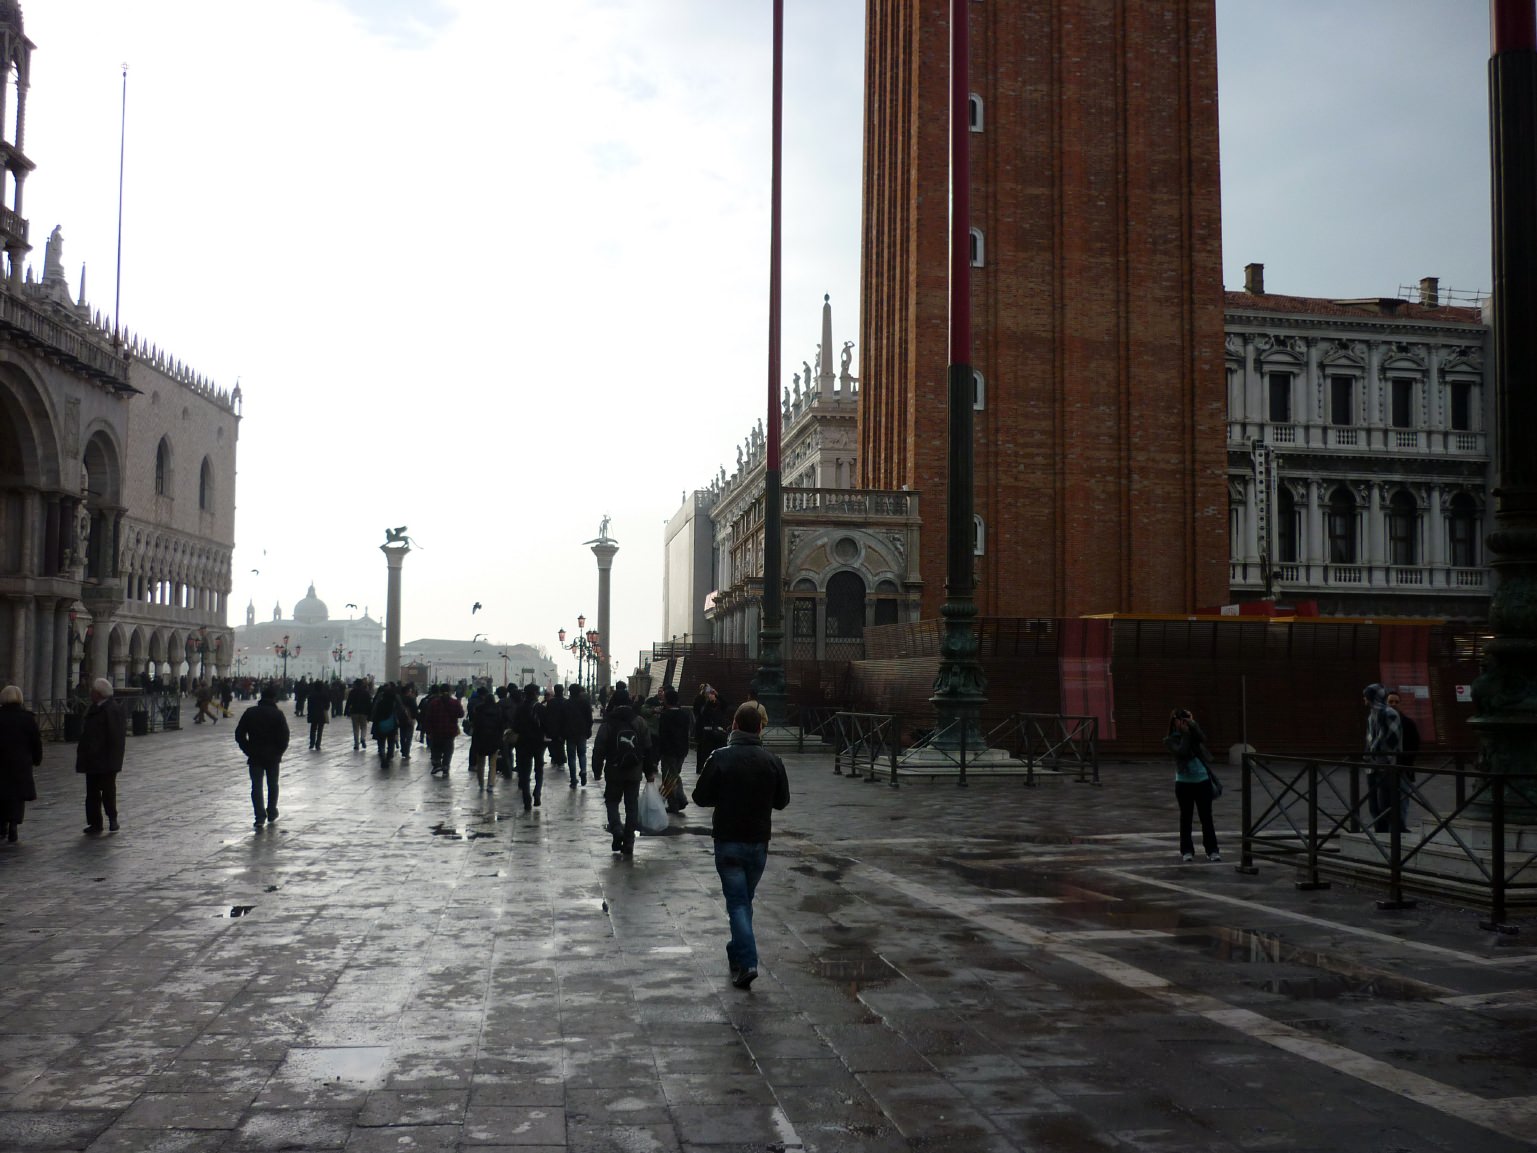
81, 551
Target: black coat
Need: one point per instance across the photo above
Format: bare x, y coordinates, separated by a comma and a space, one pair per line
103, 734
262, 733
672, 727
578, 716
745, 783
21, 750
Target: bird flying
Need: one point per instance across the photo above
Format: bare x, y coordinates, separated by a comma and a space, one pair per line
257, 571
474, 608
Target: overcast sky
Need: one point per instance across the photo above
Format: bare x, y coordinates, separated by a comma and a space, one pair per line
491, 269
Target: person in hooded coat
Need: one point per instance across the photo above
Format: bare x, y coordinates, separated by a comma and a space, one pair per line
21, 751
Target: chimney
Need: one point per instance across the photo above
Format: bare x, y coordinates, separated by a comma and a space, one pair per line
1254, 279
1430, 292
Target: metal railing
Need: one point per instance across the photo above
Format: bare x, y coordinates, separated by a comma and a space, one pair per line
868, 737
1449, 832
1057, 741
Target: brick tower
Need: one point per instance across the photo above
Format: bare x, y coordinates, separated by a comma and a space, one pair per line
1097, 298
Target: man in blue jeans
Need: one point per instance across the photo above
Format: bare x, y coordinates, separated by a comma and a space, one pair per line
744, 782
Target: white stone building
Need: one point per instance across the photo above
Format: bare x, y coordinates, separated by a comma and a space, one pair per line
117, 471
849, 554
318, 645
1358, 452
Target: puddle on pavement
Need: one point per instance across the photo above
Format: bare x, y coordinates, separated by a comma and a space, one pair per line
1336, 978
854, 969
234, 911
360, 1065
458, 832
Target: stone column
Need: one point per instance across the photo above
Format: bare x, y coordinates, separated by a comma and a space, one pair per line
394, 556
61, 652
42, 665
21, 620
604, 549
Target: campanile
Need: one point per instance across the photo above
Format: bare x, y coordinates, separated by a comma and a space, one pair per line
1096, 297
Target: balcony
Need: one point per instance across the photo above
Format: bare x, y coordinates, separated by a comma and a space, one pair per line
1299, 578
1400, 442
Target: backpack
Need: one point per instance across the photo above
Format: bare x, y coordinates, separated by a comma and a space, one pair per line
628, 754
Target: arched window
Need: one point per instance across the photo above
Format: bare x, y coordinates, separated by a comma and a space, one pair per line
1286, 527
1342, 526
163, 468
978, 536
1403, 529
978, 390
1462, 527
205, 487
974, 112
978, 249
845, 606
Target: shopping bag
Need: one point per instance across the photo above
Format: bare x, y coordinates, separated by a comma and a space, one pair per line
653, 810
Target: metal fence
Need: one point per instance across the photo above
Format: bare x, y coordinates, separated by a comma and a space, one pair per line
1455, 829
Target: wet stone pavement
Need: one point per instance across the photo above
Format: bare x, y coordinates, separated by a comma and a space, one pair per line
403, 963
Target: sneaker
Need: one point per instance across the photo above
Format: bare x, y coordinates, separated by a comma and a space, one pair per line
1187, 857
112, 824
744, 978
257, 825
91, 829
1214, 856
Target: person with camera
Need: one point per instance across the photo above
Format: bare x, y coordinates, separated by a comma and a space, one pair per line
1193, 784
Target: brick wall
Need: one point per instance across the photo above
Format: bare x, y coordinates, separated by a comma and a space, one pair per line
1098, 314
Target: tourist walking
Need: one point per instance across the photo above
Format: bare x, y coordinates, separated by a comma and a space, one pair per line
99, 755
440, 722
627, 756
21, 751
386, 716
1408, 749
205, 709
1384, 743
555, 729
262, 734
529, 733
745, 783
578, 729
672, 728
486, 725
320, 713
360, 706
1192, 783
407, 720
709, 725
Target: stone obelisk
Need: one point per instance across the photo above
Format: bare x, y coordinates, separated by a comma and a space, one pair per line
394, 548
604, 547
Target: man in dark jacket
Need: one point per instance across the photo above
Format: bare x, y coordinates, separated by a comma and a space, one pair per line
528, 726
744, 782
262, 735
103, 734
440, 720
627, 753
578, 729
21, 751
672, 728
360, 704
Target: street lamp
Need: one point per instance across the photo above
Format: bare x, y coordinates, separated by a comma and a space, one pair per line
505, 659
284, 650
340, 654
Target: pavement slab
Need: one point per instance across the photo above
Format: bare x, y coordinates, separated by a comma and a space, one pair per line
403, 962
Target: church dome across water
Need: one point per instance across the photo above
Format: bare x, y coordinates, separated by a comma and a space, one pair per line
311, 610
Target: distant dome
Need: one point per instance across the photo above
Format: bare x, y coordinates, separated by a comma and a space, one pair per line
311, 610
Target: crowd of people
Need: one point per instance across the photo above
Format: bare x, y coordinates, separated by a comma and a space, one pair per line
512, 733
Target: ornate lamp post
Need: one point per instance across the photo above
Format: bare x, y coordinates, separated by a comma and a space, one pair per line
283, 649
340, 655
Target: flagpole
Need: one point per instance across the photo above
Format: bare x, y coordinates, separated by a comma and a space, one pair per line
122, 149
770, 679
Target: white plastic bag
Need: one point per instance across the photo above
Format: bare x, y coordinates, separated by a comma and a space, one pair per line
653, 816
